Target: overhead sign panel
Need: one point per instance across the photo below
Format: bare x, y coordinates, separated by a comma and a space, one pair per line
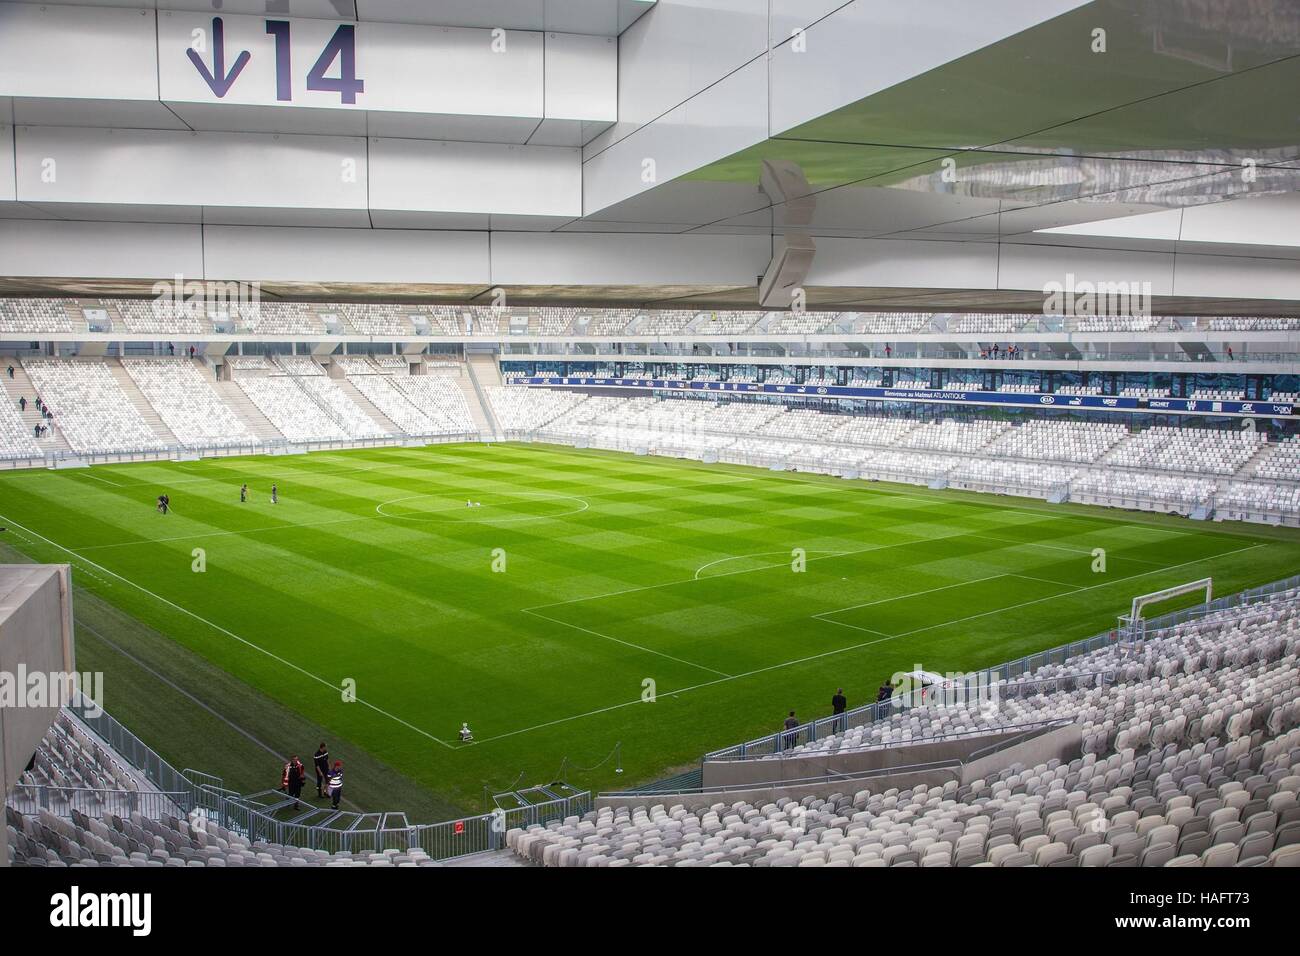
287, 62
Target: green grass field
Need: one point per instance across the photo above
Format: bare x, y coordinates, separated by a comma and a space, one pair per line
617, 570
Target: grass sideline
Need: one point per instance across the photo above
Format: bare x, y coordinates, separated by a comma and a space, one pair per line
611, 570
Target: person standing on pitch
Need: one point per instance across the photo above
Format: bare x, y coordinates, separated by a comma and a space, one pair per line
243, 493
322, 761
295, 776
336, 784
275, 494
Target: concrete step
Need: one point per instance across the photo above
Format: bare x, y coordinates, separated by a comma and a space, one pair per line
367, 406
139, 402
250, 414
20, 386
481, 370
1251, 467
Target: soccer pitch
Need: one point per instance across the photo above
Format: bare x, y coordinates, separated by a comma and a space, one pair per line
541, 613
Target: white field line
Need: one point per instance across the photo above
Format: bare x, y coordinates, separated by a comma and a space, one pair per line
269, 474
532, 610
182, 691
87, 474
866, 486
1030, 577
313, 524
232, 635
220, 534
882, 638
899, 597
825, 557
535, 495
1050, 597
1057, 547
587, 630
760, 554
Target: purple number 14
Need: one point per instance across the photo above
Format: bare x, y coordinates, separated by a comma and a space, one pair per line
342, 47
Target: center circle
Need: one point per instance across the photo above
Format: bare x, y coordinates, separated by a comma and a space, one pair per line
487, 509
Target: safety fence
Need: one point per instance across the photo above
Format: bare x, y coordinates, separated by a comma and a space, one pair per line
74, 459
31, 798
190, 790
971, 686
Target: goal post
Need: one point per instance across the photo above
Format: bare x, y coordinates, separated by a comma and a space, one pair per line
1132, 626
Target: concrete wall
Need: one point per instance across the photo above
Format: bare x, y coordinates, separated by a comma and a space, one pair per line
35, 635
734, 773
1062, 743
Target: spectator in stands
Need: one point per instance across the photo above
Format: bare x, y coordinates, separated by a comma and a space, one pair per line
11, 371
838, 705
171, 349
791, 725
191, 351
886, 691
888, 350
22, 403
1229, 356
336, 784
322, 762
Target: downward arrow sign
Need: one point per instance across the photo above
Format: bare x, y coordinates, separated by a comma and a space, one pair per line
218, 80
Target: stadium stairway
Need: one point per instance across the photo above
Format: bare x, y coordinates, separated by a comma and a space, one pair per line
20, 386
1248, 471
250, 414
481, 370
367, 406
141, 404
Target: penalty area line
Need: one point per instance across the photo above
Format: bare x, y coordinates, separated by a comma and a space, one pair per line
232, 635
587, 630
881, 638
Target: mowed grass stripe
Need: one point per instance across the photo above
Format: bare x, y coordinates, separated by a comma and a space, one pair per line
413, 611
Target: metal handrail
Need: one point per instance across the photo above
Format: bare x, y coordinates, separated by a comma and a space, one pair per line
1028, 734
31, 798
831, 776
51, 458
870, 713
471, 834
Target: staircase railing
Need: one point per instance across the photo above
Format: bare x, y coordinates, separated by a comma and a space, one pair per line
482, 400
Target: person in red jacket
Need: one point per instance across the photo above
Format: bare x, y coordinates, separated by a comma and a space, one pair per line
294, 776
